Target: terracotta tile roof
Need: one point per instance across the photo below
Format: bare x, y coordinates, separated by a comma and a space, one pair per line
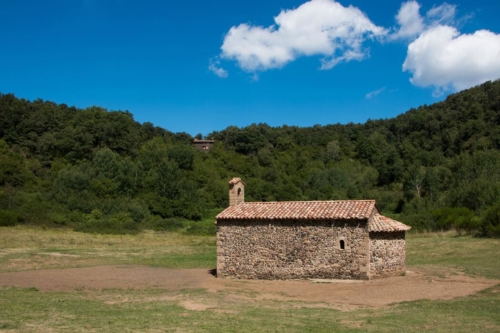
300, 210
381, 223
236, 180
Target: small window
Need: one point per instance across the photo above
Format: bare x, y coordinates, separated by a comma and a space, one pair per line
342, 244
239, 191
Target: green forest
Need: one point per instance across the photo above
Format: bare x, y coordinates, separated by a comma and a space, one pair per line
436, 167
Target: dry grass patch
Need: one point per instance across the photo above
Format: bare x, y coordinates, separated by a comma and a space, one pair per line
24, 248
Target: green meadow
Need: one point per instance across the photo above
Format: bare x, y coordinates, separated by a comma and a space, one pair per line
159, 310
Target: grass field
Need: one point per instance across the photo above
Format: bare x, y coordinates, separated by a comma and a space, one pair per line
26, 249
155, 310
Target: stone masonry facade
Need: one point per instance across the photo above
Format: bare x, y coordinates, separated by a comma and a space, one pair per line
387, 254
293, 250
236, 192
342, 239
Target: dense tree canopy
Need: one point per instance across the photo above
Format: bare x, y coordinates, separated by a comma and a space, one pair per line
92, 169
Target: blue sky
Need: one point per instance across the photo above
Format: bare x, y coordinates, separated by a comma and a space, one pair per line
200, 66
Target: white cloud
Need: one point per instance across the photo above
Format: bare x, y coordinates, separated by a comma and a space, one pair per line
439, 55
410, 22
444, 58
317, 27
374, 93
444, 14
214, 66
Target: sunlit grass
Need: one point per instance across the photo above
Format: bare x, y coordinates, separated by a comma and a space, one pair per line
28, 310
23, 248
475, 256
154, 310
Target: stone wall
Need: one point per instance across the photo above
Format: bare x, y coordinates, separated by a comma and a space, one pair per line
236, 194
388, 254
292, 249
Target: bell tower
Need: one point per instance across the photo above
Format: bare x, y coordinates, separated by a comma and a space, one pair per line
236, 192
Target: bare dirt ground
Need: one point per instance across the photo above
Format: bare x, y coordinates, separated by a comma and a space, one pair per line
419, 283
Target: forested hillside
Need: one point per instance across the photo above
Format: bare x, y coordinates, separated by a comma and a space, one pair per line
435, 167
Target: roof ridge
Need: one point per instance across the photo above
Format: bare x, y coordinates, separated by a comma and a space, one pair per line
336, 209
308, 201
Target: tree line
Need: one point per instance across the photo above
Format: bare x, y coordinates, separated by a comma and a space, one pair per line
435, 167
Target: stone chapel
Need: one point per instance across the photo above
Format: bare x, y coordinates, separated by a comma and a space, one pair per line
341, 239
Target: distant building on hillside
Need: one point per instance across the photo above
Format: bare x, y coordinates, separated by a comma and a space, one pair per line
345, 239
203, 145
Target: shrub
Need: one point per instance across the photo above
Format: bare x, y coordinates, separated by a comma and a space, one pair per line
59, 219
490, 223
419, 221
9, 218
468, 225
118, 224
460, 218
171, 224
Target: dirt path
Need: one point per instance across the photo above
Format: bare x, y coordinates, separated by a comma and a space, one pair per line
417, 284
